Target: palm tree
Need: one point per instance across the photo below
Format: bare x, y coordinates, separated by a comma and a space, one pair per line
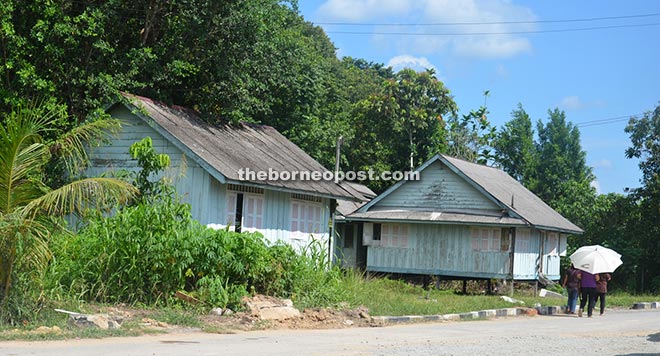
29, 209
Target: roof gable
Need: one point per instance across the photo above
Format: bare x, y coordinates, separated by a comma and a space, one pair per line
494, 185
225, 150
439, 189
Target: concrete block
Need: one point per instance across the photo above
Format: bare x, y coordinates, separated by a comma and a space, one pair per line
451, 317
398, 319
469, 315
487, 314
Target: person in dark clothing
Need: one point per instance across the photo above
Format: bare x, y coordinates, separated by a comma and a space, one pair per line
588, 291
572, 284
601, 289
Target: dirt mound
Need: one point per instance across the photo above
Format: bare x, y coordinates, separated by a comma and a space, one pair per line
260, 308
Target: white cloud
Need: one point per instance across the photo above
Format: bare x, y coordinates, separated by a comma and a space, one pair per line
603, 163
479, 16
492, 46
407, 61
595, 184
361, 10
574, 102
571, 103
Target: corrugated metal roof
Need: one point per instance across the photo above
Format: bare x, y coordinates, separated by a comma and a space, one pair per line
436, 217
520, 204
228, 149
345, 207
510, 193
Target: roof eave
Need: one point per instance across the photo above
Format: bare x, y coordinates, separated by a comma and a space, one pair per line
439, 222
288, 190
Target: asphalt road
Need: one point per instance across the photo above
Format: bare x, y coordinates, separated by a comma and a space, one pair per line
619, 332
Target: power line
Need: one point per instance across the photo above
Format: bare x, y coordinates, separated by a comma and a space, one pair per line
606, 121
491, 23
494, 33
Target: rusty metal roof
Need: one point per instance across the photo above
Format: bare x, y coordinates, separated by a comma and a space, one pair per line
226, 149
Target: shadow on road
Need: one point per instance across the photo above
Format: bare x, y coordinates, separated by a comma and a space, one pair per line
654, 337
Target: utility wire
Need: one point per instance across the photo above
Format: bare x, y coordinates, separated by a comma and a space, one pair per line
490, 23
606, 121
493, 33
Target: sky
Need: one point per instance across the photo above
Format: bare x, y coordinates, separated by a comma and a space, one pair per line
598, 61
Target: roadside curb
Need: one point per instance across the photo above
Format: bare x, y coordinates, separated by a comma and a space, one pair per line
490, 314
481, 314
653, 305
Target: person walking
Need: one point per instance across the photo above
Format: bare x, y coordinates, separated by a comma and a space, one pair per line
588, 292
601, 289
572, 284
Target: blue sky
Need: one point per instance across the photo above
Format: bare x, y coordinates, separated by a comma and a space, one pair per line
608, 69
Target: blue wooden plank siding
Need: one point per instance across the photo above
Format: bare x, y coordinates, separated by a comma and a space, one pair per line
537, 249
550, 259
460, 220
525, 260
438, 189
437, 249
206, 195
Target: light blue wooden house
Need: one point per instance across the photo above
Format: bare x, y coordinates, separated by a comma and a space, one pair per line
206, 166
460, 220
350, 252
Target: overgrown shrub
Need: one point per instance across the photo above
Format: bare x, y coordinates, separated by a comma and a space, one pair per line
145, 253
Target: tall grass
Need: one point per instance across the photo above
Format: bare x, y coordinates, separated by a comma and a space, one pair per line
147, 252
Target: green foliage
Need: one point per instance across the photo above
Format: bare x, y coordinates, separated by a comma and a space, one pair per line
470, 137
553, 167
404, 115
645, 145
145, 253
561, 163
29, 209
150, 163
514, 147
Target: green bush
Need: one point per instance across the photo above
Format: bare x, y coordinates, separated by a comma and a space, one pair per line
146, 252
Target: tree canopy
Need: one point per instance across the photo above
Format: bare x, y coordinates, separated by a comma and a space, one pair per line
261, 61
645, 145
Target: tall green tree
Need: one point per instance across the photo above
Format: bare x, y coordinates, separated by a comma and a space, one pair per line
562, 177
28, 207
400, 123
252, 60
514, 147
615, 222
645, 145
470, 136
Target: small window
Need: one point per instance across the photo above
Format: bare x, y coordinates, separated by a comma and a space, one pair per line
349, 231
486, 240
394, 235
505, 240
377, 229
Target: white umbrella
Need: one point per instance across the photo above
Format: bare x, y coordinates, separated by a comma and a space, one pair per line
596, 259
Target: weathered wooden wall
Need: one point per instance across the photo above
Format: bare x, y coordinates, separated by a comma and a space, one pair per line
438, 249
205, 194
438, 189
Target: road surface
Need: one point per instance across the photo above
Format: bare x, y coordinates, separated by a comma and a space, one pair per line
619, 332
